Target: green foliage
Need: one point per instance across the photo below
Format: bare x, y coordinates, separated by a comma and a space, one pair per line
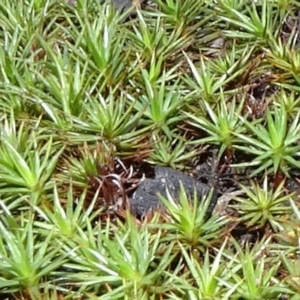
252, 274
262, 206
206, 275
26, 258
65, 221
275, 144
256, 23
222, 126
192, 223
88, 95
173, 152
27, 159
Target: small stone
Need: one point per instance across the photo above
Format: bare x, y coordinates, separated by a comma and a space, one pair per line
146, 197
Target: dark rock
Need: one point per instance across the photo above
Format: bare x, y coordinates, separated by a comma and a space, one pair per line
146, 197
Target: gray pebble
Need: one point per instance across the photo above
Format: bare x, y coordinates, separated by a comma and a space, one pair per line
146, 197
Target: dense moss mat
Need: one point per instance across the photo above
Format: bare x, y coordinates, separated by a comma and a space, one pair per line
94, 100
